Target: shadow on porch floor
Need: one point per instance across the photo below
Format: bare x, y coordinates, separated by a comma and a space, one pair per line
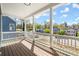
26, 48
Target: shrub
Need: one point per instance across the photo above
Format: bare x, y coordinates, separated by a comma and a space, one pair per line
77, 34
61, 32
47, 30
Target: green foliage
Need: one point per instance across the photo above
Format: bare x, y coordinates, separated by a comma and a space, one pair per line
47, 30
77, 34
61, 32
55, 26
19, 26
37, 26
29, 27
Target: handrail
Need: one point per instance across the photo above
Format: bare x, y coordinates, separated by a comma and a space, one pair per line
11, 35
13, 32
58, 36
65, 36
64, 42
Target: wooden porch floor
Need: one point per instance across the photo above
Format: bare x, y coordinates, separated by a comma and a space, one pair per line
25, 48
17, 49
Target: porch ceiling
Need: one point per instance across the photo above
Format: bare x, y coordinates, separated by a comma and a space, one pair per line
20, 10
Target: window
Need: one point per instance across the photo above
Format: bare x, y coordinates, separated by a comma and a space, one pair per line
42, 22
11, 27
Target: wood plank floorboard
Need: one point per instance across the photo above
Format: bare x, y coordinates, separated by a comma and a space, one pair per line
17, 49
27, 49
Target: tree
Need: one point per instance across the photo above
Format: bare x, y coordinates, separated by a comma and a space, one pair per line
61, 26
61, 32
29, 26
77, 34
19, 26
37, 26
55, 26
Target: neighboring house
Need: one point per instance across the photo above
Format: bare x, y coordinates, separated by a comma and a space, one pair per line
78, 30
9, 24
71, 32
56, 30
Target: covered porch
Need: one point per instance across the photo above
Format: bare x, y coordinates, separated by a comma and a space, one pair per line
25, 39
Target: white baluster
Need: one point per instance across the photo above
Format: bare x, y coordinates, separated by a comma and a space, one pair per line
75, 43
71, 42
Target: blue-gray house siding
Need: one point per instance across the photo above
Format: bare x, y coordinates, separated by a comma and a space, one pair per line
6, 21
0, 23
0, 27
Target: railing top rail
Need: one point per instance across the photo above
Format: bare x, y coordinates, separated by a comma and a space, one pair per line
58, 36
65, 36
13, 32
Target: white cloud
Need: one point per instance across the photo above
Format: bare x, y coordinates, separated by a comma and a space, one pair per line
65, 10
54, 13
53, 21
77, 19
72, 23
18, 21
41, 14
45, 14
61, 11
75, 5
48, 20
37, 16
64, 15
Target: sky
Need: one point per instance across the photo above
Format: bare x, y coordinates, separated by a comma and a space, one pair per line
42, 17
66, 13
18, 21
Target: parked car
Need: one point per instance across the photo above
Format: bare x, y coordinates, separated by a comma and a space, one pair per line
40, 30
56, 30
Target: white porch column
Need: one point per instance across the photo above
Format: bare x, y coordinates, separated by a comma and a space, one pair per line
75, 44
51, 26
25, 25
0, 25
33, 28
1, 32
25, 30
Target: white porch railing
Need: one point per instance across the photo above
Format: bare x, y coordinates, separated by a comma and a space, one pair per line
66, 43
63, 43
11, 35
9, 38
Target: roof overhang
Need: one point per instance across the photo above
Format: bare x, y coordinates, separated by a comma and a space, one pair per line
20, 10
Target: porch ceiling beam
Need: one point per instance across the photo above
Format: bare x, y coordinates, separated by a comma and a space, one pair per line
53, 5
44, 8
20, 10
